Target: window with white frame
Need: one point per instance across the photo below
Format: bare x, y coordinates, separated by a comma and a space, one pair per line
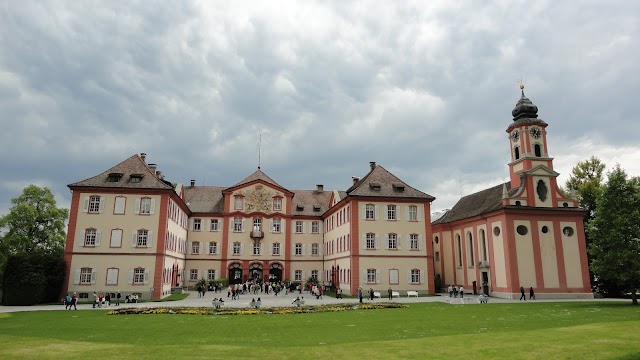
256, 248
85, 276
371, 241
277, 204
238, 202
369, 212
90, 237
94, 204
213, 247
119, 205
145, 206
116, 238
392, 241
415, 276
197, 224
237, 224
143, 237
413, 213
215, 225
236, 248
138, 276
437, 255
314, 249
276, 249
193, 275
371, 276
298, 275
315, 227
257, 224
195, 247
298, 227
276, 225
211, 274
391, 212
298, 249
394, 276
314, 274
112, 276
413, 241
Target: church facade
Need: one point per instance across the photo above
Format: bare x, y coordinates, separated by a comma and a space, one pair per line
133, 231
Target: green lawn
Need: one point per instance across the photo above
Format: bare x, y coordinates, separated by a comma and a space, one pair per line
582, 330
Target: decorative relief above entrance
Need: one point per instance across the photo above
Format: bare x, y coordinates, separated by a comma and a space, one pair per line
258, 199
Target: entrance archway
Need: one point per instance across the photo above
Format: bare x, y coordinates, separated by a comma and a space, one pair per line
275, 272
255, 272
235, 273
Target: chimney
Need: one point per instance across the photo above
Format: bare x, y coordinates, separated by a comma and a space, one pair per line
320, 188
372, 164
355, 179
193, 183
159, 175
143, 156
153, 167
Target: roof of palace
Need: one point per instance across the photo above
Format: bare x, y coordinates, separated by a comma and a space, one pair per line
482, 202
258, 175
379, 182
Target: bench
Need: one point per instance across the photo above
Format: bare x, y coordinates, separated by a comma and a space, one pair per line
395, 294
255, 304
298, 302
412, 293
483, 299
377, 294
217, 304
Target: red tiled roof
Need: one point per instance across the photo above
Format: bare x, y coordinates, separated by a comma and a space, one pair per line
130, 166
381, 183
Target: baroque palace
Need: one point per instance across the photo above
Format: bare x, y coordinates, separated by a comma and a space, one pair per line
133, 231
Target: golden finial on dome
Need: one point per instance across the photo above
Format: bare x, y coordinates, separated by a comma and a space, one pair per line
519, 81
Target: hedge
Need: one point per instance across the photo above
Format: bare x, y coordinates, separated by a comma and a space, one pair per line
33, 278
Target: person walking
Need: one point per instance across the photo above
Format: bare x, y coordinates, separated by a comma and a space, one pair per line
461, 292
390, 293
95, 299
360, 294
522, 295
67, 302
107, 298
532, 295
450, 291
118, 296
371, 294
74, 301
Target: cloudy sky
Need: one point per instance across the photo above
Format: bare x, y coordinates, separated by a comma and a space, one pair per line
423, 88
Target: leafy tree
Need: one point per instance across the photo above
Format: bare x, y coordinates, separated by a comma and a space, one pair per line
34, 225
615, 232
586, 180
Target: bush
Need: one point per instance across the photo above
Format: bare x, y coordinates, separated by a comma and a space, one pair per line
33, 278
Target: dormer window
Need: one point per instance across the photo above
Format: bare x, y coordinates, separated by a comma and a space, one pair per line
398, 187
374, 186
114, 177
136, 178
316, 207
299, 207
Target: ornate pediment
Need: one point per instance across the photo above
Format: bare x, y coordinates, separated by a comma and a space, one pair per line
259, 199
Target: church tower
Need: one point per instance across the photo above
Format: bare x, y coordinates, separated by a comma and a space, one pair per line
533, 180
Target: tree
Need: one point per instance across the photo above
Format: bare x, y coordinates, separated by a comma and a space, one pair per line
34, 225
586, 180
615, 232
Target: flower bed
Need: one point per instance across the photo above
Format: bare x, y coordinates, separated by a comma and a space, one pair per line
251, 311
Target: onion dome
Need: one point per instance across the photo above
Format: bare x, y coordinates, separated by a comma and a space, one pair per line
524, 109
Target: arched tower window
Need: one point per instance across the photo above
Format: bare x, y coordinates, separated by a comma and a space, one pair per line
516, 152
538, 150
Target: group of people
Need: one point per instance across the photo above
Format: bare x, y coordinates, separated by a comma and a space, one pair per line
71, 300
251, 287
532, 295
454, 290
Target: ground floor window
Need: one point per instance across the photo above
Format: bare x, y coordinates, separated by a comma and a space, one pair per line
193, 275
298, 275
138, 276
371, 276
211, 275
85, 276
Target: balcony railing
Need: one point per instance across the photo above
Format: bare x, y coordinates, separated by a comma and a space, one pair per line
257, 234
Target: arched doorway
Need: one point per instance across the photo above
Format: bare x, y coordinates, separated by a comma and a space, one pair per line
255, 272
275, 272
235, 273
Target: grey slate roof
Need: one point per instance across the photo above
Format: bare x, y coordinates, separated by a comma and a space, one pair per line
258, 175
307, 199
482, 202
132, 165
388, 183
205, 199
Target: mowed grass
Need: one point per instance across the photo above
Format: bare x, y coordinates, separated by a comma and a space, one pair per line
581, 330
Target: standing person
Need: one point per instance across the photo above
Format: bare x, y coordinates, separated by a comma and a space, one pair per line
95, 299
522, 295
371, 294
118, 296
450, 291
532, 295
107, 298
461, 292
100, 300
74, 300
360, 294
390, 293
67, 302
455, 291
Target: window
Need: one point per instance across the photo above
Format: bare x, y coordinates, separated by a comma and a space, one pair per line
114, 177
314, 274
143, 236
298, 249
195, 247
471, 254
414, 242
94, 204
437, 255
393, 276
522, 230
314, 249
415, 276
193, 275
277, 204
276, 225
238, 202
215, 225
459, 243
298, 275
370, 212
138, 276
90, 237
538, 150
315, 227
276, 248
213, 247
257, 224
393, 241
371, 241
413, 213
567, 231
116, 238
119, 206
135, 178
211, 274
299, 227
145, 206
516, 150
112, 276
371, 276
237, 224
391, 212
236, 248
197, 224
85, 276
484, 244
256, 248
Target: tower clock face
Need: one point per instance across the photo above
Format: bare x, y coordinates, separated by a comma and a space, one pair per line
515, 135
535, 132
